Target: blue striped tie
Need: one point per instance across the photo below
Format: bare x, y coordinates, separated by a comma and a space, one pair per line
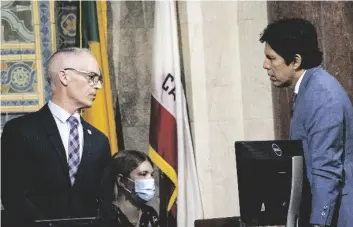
73, 149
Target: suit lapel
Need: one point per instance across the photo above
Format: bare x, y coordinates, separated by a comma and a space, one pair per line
305, 81
87, 148
55, 138
302, 89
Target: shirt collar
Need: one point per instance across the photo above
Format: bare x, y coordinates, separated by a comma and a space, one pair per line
297, 85
62, 114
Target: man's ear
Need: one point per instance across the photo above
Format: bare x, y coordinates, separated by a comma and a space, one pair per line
63, 78
297, 62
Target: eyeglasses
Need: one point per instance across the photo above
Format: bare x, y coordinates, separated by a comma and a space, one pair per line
93, 77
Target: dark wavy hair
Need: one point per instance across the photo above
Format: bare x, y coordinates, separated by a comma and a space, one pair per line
291, 36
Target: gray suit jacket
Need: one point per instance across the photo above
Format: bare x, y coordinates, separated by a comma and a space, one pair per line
323, 120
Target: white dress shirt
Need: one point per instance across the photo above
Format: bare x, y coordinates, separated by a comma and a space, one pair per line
61, 116
297, 85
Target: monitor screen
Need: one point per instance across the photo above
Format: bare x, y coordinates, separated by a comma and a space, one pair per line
264, 170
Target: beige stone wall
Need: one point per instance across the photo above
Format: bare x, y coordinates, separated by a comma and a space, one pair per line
229, 93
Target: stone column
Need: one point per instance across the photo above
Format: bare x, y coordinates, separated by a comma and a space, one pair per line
131, 30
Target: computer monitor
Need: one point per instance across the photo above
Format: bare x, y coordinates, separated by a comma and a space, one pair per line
270, 177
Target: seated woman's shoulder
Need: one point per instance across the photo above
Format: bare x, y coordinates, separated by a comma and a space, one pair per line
149, 209
151, 215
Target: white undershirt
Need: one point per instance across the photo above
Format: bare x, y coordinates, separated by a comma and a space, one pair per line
297, 85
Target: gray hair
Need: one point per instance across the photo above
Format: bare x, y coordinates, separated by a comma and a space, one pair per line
50, 69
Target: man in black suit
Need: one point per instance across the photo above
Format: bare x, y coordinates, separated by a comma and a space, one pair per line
52, 160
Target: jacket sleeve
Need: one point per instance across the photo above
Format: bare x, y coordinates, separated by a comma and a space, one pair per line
326, 143
13, 175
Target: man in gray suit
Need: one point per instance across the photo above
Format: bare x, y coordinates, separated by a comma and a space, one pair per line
322, 118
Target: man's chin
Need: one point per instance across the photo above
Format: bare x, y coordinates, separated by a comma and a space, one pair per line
87, 105
279, 84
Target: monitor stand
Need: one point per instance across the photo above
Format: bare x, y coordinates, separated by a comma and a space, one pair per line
296, 191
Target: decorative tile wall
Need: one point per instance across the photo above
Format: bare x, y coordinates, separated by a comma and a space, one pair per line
27, 41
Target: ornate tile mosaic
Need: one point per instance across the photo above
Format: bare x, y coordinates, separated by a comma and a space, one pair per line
27, 41
18, 77
17, 22
17, 51
66, 14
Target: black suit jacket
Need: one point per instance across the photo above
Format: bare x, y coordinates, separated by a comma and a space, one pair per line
34, 170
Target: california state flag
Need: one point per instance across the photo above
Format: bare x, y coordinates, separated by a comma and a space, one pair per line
170, 138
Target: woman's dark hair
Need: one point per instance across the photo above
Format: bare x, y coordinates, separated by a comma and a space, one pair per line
289, 37
125, 161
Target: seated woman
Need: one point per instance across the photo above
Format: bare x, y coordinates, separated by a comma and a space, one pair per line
132, 172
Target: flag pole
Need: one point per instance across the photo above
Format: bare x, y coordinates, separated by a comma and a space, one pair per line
163, 200
178, 110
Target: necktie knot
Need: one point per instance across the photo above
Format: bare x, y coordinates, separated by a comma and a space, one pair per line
72, 121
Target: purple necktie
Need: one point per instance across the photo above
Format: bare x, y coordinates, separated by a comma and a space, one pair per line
73, 149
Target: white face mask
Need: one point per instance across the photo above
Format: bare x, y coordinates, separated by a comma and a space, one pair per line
144, 188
